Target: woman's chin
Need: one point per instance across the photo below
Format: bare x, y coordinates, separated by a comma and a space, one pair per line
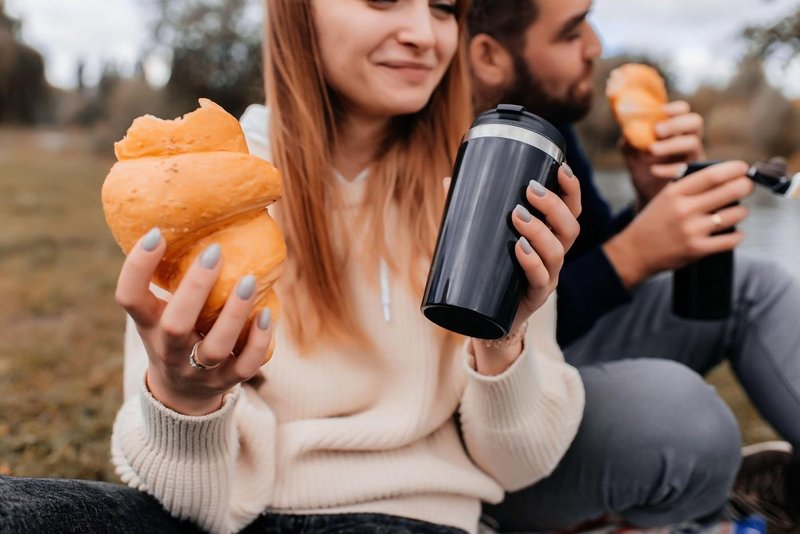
403, 106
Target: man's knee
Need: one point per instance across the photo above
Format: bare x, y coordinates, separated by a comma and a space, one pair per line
756, 278
668, 431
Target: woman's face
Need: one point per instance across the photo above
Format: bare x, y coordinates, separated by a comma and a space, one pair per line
385, 57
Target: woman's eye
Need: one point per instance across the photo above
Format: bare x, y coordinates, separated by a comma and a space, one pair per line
443, 7
446, 7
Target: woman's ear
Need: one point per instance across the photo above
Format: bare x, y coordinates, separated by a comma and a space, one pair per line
491, 63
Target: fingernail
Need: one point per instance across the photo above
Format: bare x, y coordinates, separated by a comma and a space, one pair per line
568, 170
246, 287
681, 170
537, 188
264, 318
526, 246
523, 213
151, 241
210, 256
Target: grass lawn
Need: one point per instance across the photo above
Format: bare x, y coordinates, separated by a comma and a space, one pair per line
60, 329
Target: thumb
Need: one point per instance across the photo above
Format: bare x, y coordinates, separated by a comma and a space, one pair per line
446, 184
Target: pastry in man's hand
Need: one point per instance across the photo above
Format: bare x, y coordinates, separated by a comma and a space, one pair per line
637, 95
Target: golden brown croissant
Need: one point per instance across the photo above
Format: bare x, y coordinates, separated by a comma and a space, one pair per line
637, 95
194, 179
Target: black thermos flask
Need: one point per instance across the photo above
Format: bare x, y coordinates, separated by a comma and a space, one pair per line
702, 290
475, 283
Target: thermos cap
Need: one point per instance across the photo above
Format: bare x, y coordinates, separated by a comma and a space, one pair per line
516, 123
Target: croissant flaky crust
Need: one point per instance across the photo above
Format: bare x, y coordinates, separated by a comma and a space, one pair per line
637, 95
195, 180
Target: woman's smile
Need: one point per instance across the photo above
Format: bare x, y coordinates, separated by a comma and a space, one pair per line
412, 71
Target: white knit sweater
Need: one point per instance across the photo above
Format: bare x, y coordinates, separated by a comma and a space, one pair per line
342, 431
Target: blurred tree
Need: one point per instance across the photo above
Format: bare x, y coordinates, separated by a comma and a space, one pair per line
7, 23
750, 118
96, 101
748, 79
216, 52
782, 35
23, 89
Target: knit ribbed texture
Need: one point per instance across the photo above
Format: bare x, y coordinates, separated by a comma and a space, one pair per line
534, 393
343, 430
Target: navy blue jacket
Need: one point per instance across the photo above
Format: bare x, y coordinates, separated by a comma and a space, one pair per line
588, 286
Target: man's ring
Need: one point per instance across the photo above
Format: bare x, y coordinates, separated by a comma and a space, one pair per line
194, 362
717, 220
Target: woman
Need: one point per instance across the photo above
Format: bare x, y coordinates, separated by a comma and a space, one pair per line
351, 426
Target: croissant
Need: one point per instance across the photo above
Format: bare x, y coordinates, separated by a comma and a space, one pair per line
194, 178
637, 95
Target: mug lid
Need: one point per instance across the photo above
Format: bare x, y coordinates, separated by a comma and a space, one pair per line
515, 122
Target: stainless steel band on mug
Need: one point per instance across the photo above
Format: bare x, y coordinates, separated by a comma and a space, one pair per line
516, 133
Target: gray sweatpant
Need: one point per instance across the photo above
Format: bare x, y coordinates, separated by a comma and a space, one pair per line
656, 444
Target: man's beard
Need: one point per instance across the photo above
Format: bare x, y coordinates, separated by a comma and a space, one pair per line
527, 91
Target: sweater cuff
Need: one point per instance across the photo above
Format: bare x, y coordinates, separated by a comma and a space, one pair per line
518, 425
185, 437
505, 399
183, 461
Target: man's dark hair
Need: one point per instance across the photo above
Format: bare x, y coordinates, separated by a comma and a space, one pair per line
504, 20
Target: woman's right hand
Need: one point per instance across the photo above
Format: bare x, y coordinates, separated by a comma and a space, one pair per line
167, 329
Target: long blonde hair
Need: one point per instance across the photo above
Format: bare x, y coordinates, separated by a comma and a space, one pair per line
408, 174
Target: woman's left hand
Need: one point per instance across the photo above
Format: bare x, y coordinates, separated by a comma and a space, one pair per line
541, 248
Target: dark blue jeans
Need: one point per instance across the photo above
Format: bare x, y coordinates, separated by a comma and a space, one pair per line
35, 506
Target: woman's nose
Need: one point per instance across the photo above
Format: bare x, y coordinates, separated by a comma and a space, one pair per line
417, 27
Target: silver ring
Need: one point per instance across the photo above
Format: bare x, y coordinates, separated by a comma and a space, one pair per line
717, 220
193, 361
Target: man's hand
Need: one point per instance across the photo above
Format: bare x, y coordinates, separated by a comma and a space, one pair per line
679, 142
681, 222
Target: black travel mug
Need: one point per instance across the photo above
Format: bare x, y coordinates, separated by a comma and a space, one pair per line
703, 289
475, 282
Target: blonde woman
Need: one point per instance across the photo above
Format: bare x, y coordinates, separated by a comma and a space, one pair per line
352, 424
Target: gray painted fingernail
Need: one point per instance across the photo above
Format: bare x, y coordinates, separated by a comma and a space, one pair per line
210, 256
526, 246
264, 318
246, 287
523, 213
151, 241
568, 170
537, 188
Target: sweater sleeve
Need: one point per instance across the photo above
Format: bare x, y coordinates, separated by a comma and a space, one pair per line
217, 470
518, 425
